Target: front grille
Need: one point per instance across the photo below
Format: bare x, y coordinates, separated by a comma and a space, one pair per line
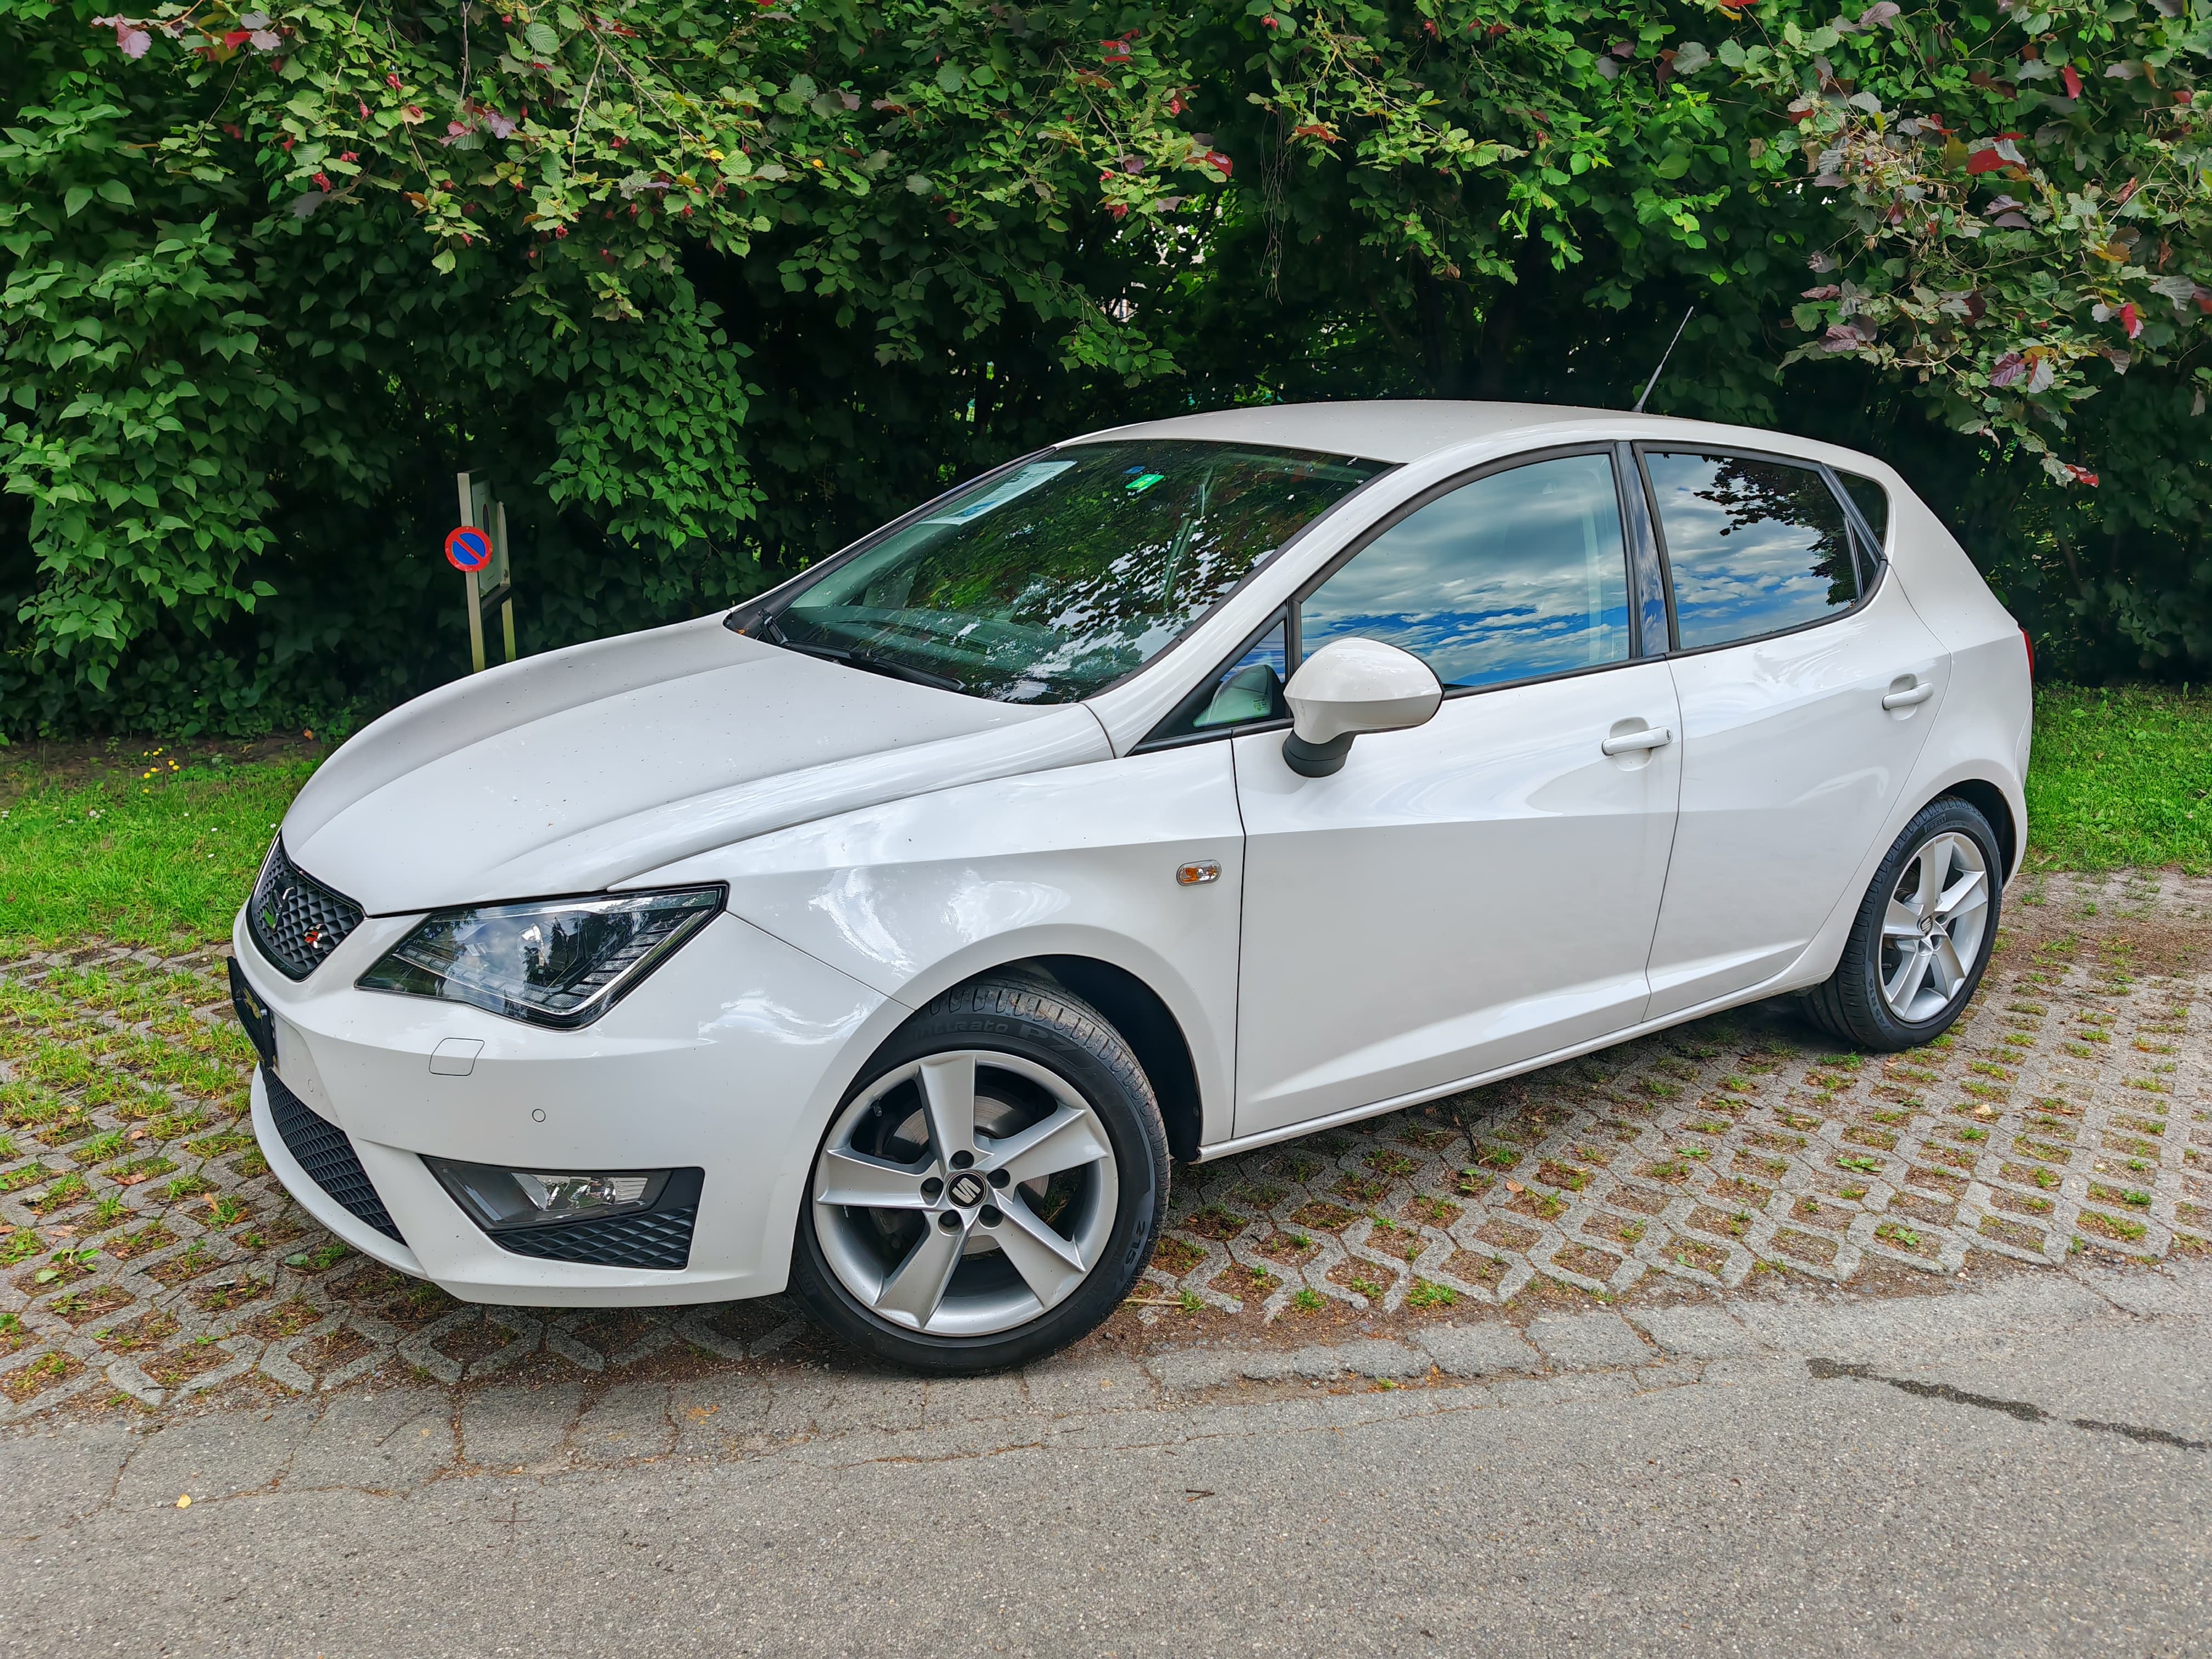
321, 1148
647, 1238
295, 918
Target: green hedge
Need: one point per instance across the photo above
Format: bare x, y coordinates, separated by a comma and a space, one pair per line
708, 289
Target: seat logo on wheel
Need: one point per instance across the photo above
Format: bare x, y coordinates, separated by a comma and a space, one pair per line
967, 1188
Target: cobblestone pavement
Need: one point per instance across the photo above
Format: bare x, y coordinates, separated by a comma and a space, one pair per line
148, 1256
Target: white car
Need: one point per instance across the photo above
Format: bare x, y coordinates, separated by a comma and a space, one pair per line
1181, 788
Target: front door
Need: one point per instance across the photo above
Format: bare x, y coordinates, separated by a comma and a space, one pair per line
1481, 889
1808, 686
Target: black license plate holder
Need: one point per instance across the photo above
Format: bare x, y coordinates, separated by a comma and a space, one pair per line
253, 1014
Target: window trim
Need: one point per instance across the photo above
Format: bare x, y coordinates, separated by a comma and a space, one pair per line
1283, 617
1853, 529
1287, 615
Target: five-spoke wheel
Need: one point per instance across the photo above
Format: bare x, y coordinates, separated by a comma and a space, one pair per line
965, 1193
978, 1201
1922, 935
1933, 927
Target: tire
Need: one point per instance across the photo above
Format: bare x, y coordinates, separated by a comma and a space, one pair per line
1874, 999
954, 1247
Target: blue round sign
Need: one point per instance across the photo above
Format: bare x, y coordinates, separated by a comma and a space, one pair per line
468, 549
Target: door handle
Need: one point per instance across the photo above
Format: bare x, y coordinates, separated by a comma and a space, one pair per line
1654, 737
1911, 695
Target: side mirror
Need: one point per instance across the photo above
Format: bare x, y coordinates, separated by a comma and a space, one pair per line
1350, 686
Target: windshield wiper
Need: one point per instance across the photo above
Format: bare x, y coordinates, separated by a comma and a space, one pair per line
861, 660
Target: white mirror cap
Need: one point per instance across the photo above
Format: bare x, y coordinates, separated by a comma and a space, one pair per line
1350, 686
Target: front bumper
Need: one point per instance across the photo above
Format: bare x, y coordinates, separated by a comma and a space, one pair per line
728, 1059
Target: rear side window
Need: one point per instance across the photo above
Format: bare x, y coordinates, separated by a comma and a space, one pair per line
1754, 546
1872, 503
1517, 575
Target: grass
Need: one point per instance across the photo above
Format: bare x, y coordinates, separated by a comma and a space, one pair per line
158, 853
146, 845
2121, 777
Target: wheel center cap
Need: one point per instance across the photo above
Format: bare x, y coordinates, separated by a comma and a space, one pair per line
966, 1188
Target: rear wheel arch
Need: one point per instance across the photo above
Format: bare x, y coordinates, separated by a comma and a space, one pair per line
1989, 800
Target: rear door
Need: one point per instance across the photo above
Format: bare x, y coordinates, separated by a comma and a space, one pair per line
1806, 684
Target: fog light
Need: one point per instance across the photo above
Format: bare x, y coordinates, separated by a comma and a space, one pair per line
497, 1200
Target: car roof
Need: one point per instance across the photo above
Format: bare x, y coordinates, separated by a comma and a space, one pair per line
1406, 429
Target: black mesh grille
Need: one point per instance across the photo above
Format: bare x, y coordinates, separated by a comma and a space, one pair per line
650, 1238
295, 918
322, 1150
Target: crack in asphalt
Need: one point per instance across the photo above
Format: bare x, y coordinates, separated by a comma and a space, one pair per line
2023, 1411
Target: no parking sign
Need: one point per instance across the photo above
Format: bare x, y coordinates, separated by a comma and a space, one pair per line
468, 550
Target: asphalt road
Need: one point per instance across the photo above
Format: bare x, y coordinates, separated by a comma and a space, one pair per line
2041, 1482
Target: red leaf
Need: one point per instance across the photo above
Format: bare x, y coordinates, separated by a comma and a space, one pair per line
2082, 475
2130, 319
1984, 160
2073, 81
237, 37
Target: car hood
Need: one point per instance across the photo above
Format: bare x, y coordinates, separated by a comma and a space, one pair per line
580, 770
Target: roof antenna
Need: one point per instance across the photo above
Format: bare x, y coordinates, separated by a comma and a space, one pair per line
1663, 356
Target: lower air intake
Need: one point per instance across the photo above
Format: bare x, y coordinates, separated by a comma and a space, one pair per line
321, 1148
648, 1238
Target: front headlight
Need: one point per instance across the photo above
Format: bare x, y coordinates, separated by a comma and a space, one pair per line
552, 962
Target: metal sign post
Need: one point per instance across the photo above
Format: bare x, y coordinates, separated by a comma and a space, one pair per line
480, 545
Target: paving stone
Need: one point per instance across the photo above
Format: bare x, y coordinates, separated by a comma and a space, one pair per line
1790, 1119
962, 1399
387, 1440
1189, 1369
1372, 1358
1082, 1384
214, 1457
625, 1423
857, 1400
509, 1428
1698, 1332
51, 1476
1578, 1341
1668, 1374
720, 1414
1483, 1350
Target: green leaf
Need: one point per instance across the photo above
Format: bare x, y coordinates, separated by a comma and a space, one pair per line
952, 76
75, 197
115, 190
542, 39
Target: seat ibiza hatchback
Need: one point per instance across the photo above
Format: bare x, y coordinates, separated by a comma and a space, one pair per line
1177, 789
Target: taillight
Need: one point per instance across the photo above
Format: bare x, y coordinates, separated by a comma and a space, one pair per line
2030, 644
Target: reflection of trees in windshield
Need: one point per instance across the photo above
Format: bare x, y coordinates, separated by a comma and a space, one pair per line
1062, 586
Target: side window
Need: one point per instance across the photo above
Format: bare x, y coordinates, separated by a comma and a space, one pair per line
1517, 575
1872, 503
1250, 688
1754, 546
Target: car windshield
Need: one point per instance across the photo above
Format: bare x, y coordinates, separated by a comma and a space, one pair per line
1051, 581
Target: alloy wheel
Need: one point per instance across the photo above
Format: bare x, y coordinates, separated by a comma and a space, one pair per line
966, 1193
1933, 929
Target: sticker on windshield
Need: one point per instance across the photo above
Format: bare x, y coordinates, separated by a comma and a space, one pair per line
1020, 484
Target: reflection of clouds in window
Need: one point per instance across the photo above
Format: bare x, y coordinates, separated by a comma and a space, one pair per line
1754, 546
1515, 575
